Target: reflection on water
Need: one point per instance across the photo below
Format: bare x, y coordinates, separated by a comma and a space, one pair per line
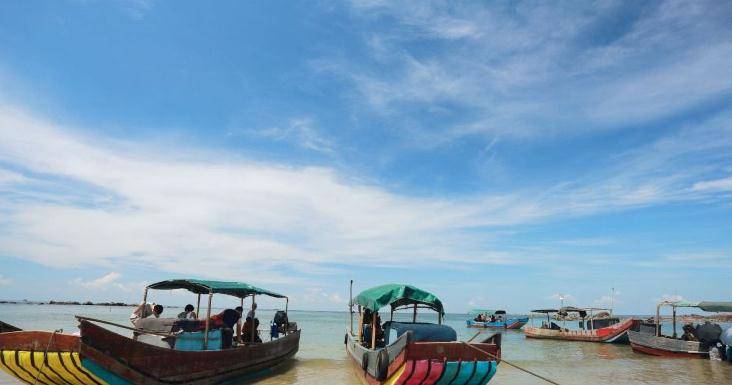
322, 358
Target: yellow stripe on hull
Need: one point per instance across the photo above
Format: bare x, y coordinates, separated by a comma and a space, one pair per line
52, 368
394, 377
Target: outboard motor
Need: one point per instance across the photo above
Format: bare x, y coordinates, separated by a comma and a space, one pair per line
708, 334
280, 320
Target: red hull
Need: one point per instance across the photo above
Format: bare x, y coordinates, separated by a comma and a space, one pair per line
609, 334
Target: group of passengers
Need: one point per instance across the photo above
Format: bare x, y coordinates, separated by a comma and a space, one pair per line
484, 318
368, 324
229, 321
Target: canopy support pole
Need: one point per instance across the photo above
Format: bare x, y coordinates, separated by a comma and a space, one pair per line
360, 324
253, 317
391, 314
287, 317
208, 320
373, 330
414, 315
198, 307
674, 319
658, 320
350, 304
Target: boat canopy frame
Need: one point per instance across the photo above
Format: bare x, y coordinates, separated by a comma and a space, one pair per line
240, 290
397, 297
708, 306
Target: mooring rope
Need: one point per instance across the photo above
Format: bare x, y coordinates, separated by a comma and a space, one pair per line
45, 352
511, 364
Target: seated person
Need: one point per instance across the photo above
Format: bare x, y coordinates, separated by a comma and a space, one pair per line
479, 318
688, 333
493, 318
250, 332
226, 321
145, 310
188, 313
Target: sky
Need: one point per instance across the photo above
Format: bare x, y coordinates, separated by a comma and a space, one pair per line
499, 154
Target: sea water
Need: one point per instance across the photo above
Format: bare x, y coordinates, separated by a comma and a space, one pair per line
322, 358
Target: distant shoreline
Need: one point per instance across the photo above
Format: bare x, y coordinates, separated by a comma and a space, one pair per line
75, 303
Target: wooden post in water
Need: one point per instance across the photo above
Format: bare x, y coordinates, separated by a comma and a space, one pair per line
208, 319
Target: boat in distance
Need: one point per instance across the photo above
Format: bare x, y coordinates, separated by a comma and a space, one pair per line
610, 329
157, 353
400, 353
495, 319
695, 344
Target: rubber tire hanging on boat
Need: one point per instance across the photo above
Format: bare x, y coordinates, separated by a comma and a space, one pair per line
382, 365
365, 361
345, 339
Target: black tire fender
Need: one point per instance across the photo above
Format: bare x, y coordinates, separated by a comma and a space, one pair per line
365, 361
382, 365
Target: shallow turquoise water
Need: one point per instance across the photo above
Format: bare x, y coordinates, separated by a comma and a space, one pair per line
322, 359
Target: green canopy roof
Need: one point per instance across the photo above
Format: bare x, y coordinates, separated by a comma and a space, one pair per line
709, 306
199, 286
397, 295
715, 306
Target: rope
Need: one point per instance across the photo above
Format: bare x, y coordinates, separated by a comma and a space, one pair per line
511, 364
45, 352
476, 335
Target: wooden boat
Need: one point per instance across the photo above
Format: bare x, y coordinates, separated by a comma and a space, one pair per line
591, 330
657, 344
102, 356
414, 352
502, 320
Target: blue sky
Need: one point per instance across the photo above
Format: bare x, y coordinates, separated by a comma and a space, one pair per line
496, 153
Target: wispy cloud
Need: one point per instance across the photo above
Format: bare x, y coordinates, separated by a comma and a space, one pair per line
106, 282
171, 210
536, 71
300, 132
4, 281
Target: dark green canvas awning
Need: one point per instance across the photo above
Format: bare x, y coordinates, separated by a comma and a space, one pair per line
199, 286
397, 295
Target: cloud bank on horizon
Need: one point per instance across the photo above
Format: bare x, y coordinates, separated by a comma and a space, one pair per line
469, 148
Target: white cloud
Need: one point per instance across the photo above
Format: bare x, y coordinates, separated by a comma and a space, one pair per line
567, 298
533, 70
669, 298
723, 184
301, 132
5, 281
609, 301
178, 211
102, 283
